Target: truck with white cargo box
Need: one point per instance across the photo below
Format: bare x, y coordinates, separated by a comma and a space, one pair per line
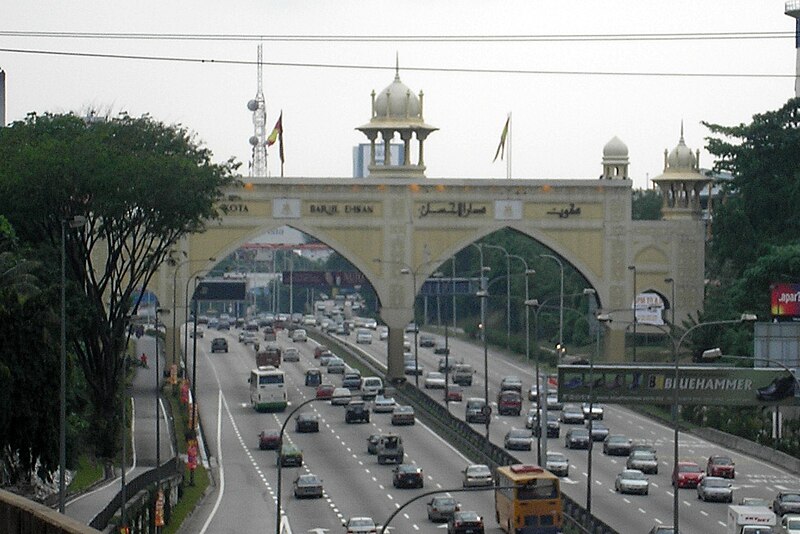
750, 520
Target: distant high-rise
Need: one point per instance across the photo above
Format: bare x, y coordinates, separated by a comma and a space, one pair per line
2, 98
793, 10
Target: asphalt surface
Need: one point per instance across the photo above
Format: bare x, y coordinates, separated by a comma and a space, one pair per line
142, 393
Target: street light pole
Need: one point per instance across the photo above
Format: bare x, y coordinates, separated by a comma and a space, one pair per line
413, 273
745, 317
174, 304
483, 295
533, 303
78, 221
528, 273
560, 302
508, 291
635, 319
157, 399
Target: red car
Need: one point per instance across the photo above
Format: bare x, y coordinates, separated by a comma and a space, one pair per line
269, 439
319, 349
325, 391
688, 476
455, 393
721, 466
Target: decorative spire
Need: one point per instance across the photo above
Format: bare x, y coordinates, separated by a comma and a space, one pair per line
681, 139
397, 66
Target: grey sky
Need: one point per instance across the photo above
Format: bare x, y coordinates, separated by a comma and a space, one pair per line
560, 121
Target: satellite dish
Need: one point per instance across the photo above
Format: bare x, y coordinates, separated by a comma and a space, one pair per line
252, 105
254, 140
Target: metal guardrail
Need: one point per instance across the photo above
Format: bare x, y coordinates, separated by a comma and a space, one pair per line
169, 472
461, 435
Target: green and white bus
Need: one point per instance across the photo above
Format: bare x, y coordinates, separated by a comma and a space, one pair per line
268, 389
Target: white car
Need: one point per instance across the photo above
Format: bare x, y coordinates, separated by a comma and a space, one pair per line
790, 524
299, 335
383, 334
434, 380
364, 335
341, 397
291, 354
632, 481
383, 404
361, 525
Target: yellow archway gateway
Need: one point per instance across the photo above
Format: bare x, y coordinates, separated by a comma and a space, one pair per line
403, 219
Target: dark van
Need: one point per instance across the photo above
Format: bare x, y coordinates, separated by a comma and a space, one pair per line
509, 402
313, 377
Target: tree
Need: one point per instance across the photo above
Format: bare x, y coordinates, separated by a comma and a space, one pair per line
141, 185
761, 203
646, 205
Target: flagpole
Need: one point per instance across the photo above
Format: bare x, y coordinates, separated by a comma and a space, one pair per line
508, 162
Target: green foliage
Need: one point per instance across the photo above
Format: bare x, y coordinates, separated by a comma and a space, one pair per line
764, 158
646, 205
141, 185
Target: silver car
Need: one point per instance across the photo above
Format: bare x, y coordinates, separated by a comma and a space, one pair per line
632, 481
477, 475
558, 464
715, 489
644, 461
383, 404
308, 485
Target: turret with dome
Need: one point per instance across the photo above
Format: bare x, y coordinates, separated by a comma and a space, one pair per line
397, 110
681, 182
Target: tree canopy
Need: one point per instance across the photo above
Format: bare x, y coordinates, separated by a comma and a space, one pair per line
141, 185
760, 208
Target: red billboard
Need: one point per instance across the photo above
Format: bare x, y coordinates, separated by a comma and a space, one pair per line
785, 300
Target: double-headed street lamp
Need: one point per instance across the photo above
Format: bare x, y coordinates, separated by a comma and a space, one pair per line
413, 273
744, 318
540, 413
561, 301
635, 318
508, 290
78, 221
174, 303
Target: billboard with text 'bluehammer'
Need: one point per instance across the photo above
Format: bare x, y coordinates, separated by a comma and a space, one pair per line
706, 385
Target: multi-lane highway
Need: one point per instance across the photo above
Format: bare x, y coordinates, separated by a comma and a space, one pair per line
626, 513
354, 483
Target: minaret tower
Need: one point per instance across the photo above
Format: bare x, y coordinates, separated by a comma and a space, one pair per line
681, 183
397, 110
258, 163
793, 10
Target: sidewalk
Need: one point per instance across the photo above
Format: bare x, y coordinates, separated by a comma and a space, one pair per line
142, 449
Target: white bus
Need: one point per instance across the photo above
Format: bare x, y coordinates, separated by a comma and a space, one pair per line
267, 389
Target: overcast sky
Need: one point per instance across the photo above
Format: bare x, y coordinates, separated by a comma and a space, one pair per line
560, 121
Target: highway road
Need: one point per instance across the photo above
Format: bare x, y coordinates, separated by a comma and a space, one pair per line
627, 513
354, 483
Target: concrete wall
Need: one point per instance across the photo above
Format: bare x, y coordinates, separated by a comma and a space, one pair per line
19, 515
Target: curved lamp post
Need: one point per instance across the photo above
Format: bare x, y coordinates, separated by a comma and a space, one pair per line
280, 445
745, 317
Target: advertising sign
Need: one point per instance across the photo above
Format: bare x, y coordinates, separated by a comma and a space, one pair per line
324, 279
649, 309
785, 300
704, 385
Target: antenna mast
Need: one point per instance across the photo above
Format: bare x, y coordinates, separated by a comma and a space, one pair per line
258, 163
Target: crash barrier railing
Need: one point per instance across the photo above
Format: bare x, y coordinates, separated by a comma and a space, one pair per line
461, 435
19, 514
171, 475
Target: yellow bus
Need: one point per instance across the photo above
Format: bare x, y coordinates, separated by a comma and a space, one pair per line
527, 500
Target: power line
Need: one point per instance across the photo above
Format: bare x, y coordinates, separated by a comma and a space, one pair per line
408, 68
403, 38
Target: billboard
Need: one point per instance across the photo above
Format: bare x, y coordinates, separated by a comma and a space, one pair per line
649, 309
785, 300
221, 290
324, 279
704, 385
435, 287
